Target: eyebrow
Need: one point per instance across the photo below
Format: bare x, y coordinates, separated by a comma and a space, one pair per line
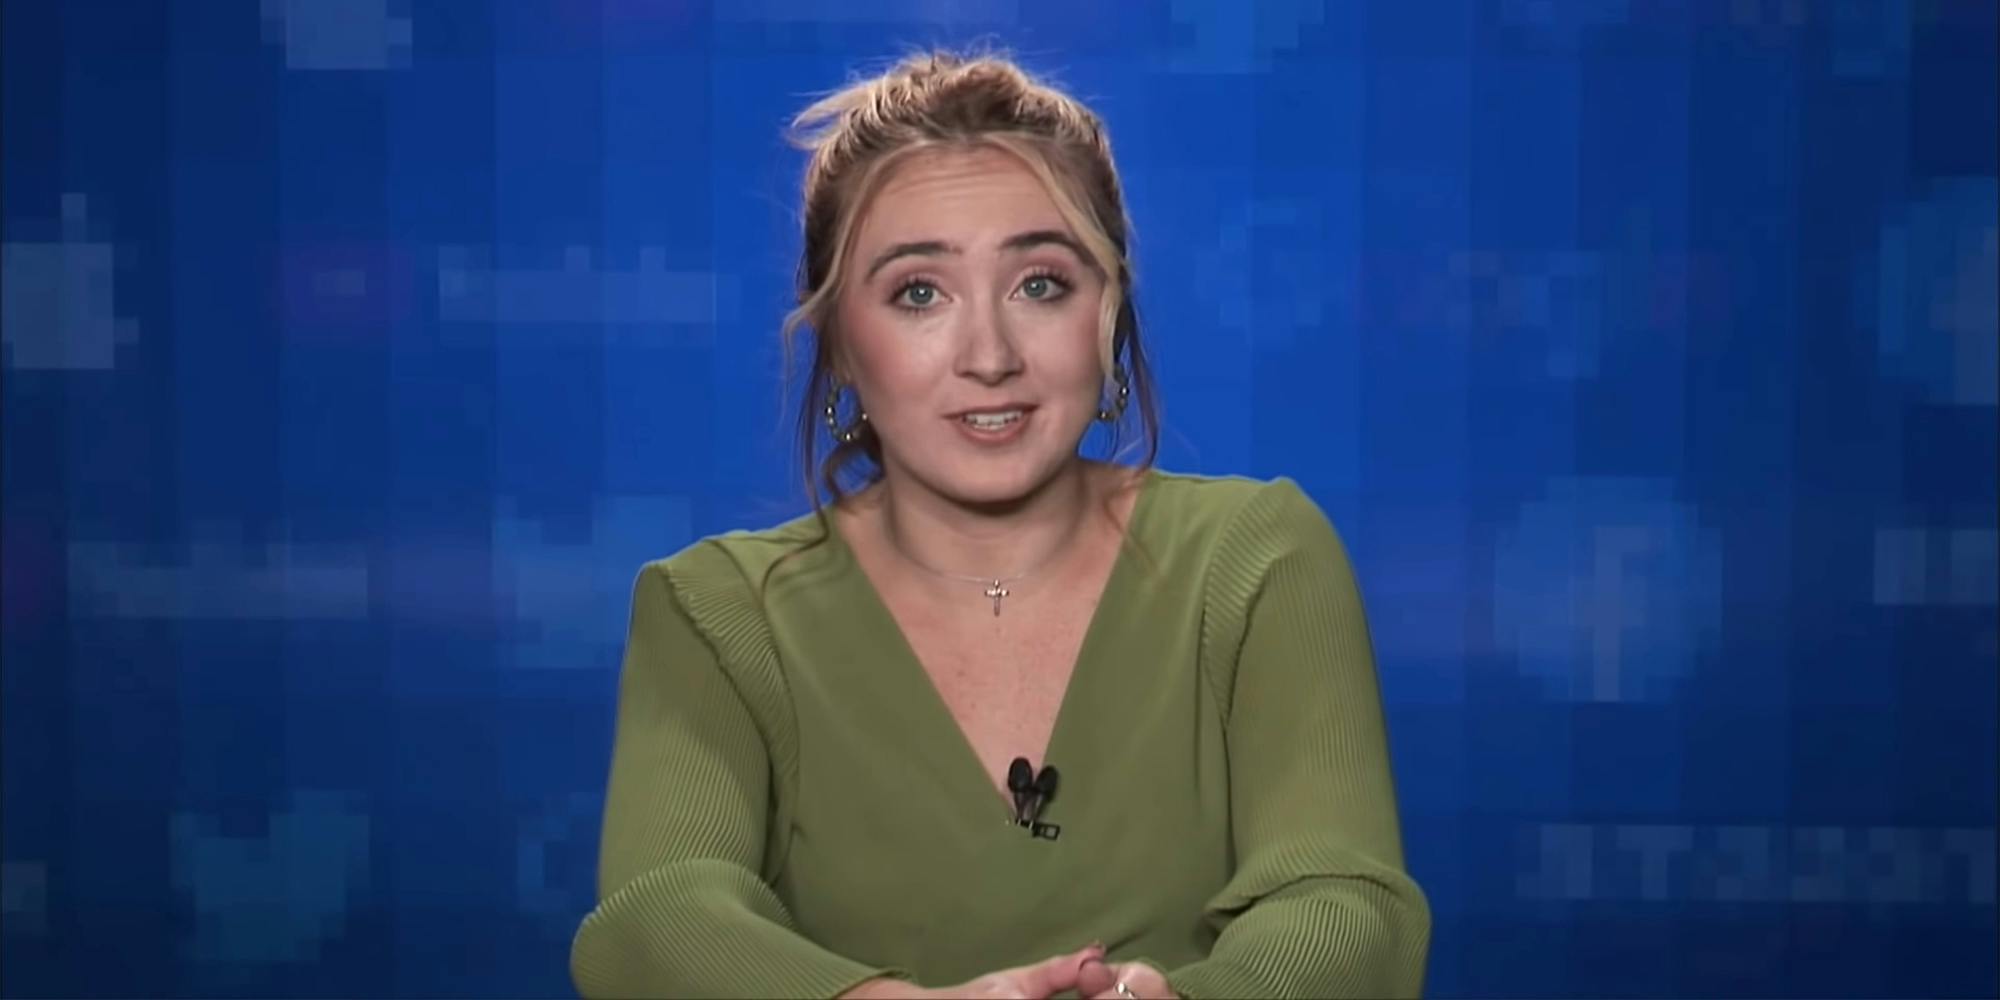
934, 248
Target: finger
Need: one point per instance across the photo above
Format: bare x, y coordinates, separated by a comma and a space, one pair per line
1095, 977
1140, 979
1054, 975
1145, 980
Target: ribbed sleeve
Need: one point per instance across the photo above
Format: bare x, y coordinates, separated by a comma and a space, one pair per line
688, 819
1319, 904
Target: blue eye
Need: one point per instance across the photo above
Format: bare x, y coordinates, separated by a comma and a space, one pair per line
915, 295
1044, 288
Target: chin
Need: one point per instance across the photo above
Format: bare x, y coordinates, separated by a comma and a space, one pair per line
989, 482
994, 481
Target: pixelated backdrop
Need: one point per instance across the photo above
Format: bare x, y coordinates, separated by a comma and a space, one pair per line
357, 352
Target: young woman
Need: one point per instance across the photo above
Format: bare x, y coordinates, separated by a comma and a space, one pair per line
995, 719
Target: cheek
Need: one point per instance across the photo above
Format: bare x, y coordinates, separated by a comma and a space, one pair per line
884, 360
863, 343
1078, 363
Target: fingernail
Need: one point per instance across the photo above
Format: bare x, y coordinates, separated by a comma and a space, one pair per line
1099, 945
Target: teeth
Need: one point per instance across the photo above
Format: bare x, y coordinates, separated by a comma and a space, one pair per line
992, 421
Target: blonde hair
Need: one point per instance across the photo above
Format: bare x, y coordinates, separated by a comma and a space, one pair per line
943, 100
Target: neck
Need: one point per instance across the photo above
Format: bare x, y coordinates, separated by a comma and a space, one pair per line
1021, 536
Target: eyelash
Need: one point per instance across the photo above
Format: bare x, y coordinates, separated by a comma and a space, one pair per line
1047, 273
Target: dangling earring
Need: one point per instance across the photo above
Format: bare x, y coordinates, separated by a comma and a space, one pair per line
852, 432
1110, 414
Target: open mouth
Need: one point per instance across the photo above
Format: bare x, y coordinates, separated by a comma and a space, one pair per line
993, 420
996, 426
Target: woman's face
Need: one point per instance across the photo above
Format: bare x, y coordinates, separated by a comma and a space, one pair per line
968, 327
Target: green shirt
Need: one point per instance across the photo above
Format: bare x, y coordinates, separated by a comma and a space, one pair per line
792, 809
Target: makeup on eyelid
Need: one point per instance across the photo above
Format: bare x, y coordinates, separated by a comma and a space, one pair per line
1062, 288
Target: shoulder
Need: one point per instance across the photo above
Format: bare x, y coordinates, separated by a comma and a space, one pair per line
738, 554
718, 580
714, 587
1236, 532
1243, 539
1238, 517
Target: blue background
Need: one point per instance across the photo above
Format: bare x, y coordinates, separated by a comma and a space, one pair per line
357, 353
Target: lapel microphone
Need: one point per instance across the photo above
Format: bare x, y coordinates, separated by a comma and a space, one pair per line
1032, 793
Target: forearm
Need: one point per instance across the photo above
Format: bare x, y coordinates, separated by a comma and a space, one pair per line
709, 930
1331, 937
885, 989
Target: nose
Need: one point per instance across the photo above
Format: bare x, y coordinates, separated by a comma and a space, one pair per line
987, 350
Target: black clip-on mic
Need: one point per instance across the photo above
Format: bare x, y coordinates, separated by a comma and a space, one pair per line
1032, 793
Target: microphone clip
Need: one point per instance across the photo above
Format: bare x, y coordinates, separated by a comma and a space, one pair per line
1032, 793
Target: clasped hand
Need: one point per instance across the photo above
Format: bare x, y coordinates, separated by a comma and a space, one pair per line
1084, 971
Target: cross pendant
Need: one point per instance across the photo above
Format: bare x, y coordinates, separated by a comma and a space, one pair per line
998, 593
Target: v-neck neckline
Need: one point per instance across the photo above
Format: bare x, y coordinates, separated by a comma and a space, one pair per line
939, 710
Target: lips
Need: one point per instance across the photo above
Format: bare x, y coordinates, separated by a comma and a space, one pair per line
992, 420
994, 425
996, 408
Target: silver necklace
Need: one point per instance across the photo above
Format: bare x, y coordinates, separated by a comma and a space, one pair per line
996, 586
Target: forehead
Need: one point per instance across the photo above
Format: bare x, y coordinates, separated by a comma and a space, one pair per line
973, 198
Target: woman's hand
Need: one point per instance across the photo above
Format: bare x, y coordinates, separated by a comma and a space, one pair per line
1039, 981
1099, 981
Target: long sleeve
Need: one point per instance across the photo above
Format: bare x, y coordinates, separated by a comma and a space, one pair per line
682, 909
1319, 903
